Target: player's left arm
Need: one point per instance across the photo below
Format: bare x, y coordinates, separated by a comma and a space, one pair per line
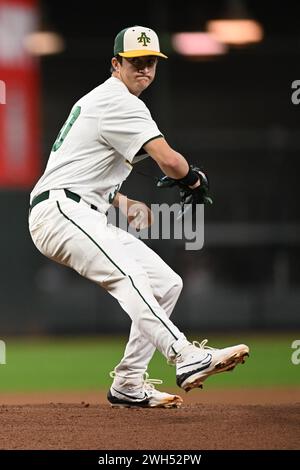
138, 214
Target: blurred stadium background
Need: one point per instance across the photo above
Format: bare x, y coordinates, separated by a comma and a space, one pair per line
223, 102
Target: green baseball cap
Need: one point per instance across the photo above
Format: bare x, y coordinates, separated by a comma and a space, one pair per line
137, 41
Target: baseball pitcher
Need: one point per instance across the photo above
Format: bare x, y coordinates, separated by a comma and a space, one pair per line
107, 131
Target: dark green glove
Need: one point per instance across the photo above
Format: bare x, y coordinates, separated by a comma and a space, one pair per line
188, 196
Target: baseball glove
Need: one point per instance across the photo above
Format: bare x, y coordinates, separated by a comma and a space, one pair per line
189, 197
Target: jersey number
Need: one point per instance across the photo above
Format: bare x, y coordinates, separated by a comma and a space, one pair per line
66, 128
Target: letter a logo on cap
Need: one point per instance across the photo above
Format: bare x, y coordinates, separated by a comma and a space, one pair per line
144, 39
137, 41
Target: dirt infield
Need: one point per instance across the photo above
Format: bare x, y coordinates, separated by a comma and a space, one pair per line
256, 419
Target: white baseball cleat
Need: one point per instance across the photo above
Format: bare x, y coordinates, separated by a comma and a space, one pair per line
197, 361
126, 394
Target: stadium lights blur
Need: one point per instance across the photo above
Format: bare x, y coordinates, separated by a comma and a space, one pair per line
196, 44
44, 43
236, 26
236, 32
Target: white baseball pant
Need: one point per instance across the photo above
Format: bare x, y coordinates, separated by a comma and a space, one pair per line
73, 234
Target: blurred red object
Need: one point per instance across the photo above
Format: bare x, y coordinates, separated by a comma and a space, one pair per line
19, 100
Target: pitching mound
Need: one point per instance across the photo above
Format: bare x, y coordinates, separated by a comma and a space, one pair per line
222, 420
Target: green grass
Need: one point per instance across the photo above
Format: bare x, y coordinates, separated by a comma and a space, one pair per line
84, 363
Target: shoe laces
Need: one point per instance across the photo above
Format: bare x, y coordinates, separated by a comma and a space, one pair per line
148, 384
202, 345
197, 344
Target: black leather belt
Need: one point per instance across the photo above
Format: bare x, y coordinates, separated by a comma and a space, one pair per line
45, 195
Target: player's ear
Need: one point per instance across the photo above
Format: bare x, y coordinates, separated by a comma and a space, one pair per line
115, 64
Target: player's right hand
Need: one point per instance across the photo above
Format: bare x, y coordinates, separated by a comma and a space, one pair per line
138, 214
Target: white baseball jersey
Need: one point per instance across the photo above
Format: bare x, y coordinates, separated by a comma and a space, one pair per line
95, 149
92, 156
